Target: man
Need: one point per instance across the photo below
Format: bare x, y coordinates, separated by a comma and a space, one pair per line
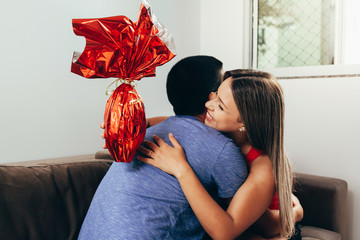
138, 201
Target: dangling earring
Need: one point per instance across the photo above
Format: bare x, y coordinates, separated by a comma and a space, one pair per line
240, 129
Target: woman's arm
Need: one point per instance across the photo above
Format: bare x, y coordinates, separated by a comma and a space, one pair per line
248, 204
269, 223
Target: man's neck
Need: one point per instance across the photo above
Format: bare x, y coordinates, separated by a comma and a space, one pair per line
200, 117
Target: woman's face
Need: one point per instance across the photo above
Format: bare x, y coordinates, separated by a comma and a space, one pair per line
222, 113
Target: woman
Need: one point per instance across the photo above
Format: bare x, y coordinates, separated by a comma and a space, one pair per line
249, 108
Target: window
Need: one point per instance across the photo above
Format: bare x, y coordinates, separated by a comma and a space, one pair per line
292, 33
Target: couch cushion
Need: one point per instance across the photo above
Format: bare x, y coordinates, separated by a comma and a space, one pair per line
313, 233
48, 199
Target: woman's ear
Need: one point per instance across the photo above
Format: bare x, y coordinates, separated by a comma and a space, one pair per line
242, 126
242, 129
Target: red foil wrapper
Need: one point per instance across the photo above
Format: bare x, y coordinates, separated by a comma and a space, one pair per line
117, 47
125, 124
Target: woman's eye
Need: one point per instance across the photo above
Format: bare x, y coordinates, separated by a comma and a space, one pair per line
221, 108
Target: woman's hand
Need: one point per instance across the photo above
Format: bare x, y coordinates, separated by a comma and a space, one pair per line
169, 159
297, 208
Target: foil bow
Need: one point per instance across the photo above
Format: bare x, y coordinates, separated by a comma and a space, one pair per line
117, 47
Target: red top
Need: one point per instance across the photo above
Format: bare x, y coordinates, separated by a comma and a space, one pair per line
250, 157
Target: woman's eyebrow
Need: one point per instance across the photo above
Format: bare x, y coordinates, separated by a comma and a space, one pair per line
222, 102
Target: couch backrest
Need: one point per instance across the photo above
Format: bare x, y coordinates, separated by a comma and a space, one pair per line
48, 199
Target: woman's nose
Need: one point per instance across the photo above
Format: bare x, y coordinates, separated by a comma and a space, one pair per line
209, 105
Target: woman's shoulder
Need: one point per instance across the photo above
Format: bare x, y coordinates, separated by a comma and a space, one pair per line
253, 154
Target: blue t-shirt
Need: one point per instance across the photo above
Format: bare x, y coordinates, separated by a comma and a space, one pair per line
138, 201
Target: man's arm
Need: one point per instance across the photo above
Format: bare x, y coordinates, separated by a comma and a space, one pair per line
155, 120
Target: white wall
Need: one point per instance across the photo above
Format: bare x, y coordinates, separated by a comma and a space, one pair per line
221, 35
47, 111
322, 130
322, 115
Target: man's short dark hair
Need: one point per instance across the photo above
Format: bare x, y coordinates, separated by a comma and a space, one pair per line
190, 81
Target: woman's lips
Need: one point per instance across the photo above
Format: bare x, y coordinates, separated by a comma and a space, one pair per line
209, 117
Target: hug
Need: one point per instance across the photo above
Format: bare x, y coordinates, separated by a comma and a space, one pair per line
217, 169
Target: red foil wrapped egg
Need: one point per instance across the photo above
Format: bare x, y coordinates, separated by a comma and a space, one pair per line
117, 47
125, 123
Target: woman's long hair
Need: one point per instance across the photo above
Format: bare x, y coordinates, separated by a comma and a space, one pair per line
259, 99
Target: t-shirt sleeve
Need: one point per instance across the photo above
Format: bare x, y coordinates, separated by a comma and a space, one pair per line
230, 170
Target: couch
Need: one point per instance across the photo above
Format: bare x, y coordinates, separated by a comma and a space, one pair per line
48, 199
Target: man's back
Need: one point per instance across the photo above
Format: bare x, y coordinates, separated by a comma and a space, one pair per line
138, 201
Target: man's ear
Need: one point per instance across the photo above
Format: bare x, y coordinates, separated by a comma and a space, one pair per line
212, 95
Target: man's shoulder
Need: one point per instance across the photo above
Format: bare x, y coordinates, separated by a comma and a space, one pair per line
182, 123
198, 130
191, 132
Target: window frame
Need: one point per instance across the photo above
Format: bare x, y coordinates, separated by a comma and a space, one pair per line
319, 71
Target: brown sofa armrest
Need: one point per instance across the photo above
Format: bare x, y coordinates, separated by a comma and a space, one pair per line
324, 200
48, 199
103, 154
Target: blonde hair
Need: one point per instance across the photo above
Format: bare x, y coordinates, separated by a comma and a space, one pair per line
259, 99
